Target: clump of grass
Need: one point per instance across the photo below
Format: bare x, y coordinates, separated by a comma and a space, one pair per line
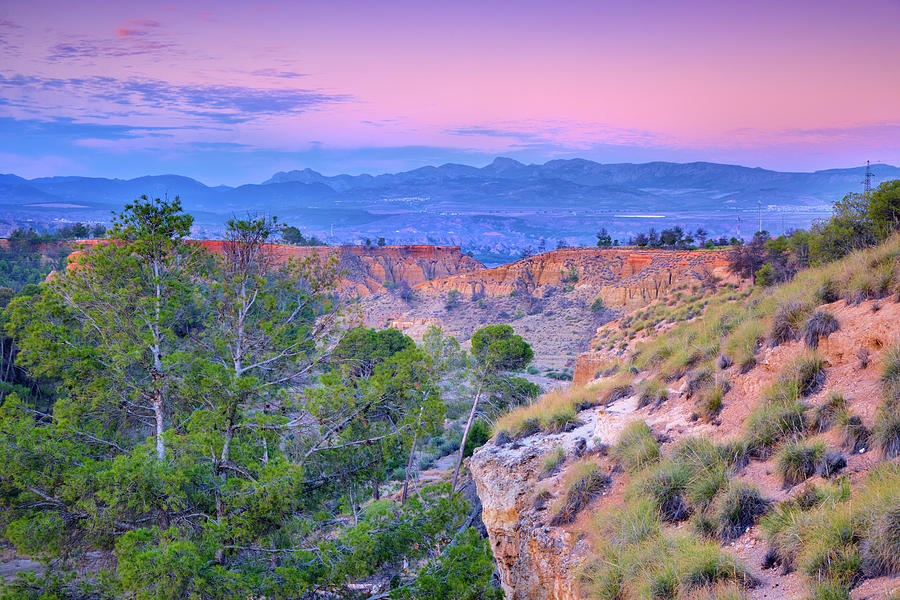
780, 417
869, 283
854, 434
890, 374
555, 411
881, 547
635, 558
709, 403
737, 509
836, 541
665, 486
551, 461
828, 292
807, 371
788, 322
653, 392
797, 461
636, 448
826, 415
744, 342
886, 431
541, 499
863, 355
584, 481
614, 388
820, 324
699, 379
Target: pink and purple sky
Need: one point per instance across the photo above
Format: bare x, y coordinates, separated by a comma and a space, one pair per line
230, 92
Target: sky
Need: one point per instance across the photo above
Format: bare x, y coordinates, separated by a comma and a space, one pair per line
230, 92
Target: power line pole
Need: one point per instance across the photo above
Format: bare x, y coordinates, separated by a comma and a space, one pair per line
868, 180
759, 212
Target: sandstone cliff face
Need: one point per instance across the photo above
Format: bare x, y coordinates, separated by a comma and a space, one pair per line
623, 277
534, 562
366, 269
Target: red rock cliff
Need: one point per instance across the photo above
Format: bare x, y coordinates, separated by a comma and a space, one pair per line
367, 269
622, 276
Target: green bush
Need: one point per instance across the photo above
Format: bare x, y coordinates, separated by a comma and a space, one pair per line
765, 275
478, 436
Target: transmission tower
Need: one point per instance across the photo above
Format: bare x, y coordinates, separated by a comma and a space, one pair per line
759, 212
868, 180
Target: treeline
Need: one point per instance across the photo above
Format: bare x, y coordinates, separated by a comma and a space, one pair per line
674, 237
858, 221
75, 231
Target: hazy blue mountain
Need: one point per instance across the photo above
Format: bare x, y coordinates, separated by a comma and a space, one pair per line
496, 210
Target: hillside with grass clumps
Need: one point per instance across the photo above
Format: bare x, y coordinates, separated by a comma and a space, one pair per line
740, 443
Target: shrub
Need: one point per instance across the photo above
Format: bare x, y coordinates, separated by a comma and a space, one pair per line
478, 435
737, 509
821, 323
797, 461
636, 447
597, 305
765, 275
584, 481
886, 431
788, 322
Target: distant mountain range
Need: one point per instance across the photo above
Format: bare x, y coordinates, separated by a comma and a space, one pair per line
494, 210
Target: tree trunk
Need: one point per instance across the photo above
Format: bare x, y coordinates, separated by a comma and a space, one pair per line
409, 464
462, 444
160, 425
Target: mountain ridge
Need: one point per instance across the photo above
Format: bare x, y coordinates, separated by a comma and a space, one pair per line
498, 210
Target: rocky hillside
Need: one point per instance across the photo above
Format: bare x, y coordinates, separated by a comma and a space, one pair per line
550, 298
749, 449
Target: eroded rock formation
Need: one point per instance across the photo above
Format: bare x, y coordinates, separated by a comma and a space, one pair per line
623, 277
367, 269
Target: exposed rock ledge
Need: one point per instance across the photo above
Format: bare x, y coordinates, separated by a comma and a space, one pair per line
537, 562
